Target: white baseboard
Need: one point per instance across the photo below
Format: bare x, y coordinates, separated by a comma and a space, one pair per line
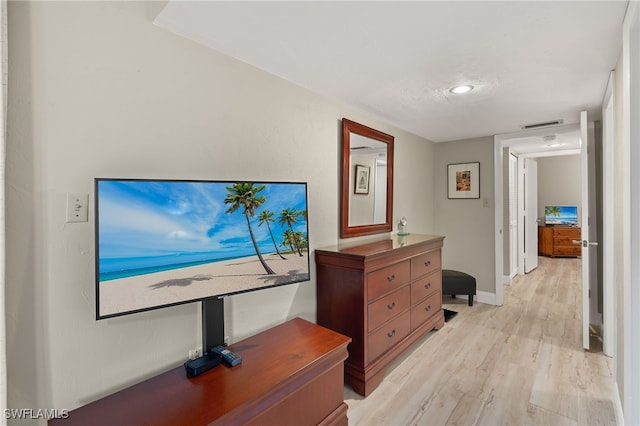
617, 405
507, 280
481, 297
486, 297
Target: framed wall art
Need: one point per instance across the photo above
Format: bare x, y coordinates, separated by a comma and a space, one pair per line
463, 180
362, 180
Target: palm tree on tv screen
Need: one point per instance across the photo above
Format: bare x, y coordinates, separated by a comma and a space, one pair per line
266, 216
552, 210
292, 239
288, 240
290, 216
246, 195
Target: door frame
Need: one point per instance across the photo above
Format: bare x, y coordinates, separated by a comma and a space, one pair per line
630, 206
521, 213
499, 143
514, 215
585, 152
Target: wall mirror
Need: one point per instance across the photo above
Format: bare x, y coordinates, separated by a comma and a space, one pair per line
367, 180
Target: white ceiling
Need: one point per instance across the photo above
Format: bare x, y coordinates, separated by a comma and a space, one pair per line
530, 61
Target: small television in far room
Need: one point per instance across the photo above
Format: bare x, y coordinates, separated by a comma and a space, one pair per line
167, 242
561, 215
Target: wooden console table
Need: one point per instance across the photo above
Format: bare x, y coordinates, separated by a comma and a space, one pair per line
557, 241
291, 374
384, 295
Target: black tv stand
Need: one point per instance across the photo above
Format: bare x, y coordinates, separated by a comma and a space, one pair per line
212, 323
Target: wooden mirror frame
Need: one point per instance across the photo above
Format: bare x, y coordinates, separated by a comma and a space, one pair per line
347, 231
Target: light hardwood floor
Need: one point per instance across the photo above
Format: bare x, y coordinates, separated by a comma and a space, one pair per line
519, 364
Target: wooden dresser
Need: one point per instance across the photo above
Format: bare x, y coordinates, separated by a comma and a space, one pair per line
385, 295
557, 241
291, 374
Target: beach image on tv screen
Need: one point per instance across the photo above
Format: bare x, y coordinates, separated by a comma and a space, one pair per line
561, 215
168, 242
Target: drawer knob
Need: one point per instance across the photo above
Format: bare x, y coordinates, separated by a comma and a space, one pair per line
391, 278
391, 333
427, 308
391, 305
427, 263
427, 286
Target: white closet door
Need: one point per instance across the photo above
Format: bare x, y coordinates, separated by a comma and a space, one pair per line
513, 213
530, 215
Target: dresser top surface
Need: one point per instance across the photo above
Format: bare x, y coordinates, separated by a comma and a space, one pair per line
272, 360
382, 245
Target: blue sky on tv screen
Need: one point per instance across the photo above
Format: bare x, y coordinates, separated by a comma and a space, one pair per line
144, 224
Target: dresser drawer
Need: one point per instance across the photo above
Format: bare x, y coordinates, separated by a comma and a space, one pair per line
567, 232
388, 335
572, 250
382, 310
425, 263
565, 240
425, 286
426, 309
387, 279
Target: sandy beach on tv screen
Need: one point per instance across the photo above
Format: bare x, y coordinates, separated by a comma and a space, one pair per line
195, 282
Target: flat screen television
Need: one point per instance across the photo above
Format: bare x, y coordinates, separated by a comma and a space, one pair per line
561, 215
167, 242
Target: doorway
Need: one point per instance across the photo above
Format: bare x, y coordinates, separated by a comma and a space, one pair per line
518, 150
538, 144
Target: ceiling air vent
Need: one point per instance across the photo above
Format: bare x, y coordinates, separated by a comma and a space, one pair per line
545, 124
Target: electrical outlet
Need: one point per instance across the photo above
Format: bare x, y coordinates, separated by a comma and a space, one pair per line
195, 353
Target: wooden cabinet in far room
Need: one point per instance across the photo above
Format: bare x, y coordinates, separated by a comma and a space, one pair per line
558, 241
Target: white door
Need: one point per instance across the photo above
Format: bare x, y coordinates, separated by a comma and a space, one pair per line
608, 220
380, 194
513, 213
530, 215
585, 229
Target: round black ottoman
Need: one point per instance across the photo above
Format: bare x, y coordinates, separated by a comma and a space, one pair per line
456, 282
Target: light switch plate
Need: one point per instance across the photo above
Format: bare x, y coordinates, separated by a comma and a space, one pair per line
77, 207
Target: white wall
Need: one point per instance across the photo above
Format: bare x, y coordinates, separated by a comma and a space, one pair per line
468, 224
97, 90
559, 182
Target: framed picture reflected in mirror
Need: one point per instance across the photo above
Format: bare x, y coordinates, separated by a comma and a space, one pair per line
361, 180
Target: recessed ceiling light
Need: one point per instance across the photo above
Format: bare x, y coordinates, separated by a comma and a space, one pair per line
459, 90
